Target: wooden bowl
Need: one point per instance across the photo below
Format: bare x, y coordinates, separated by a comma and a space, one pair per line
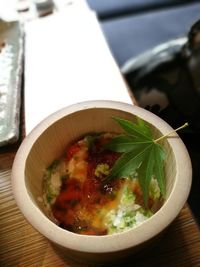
49, 140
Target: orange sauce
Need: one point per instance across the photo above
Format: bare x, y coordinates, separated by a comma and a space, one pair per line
85, 198
80, 200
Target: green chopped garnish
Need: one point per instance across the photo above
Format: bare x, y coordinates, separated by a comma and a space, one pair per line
102, 169
90, 139
128, 197
64, 177
49, 197
53, 166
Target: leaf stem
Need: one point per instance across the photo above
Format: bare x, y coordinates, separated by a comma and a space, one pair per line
166, 135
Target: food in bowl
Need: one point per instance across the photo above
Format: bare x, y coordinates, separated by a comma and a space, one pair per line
50, 139
81, 198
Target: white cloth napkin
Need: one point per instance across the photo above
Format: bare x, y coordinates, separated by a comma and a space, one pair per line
67, 60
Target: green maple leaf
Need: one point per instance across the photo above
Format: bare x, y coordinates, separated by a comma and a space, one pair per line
141, 153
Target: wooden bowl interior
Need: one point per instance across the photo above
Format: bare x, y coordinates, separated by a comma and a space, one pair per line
52, 143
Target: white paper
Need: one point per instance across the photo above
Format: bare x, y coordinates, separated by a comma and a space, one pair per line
67, 60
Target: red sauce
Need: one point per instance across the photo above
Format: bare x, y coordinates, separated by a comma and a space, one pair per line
78, 203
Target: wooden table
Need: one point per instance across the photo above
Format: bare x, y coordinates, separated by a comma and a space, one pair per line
21, 245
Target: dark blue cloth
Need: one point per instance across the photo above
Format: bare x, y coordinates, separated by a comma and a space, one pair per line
131, 35
133, 26
111, 8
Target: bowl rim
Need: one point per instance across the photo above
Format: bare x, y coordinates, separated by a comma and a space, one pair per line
118, 241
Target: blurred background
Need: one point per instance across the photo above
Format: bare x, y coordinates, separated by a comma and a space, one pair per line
156, 45
163, 79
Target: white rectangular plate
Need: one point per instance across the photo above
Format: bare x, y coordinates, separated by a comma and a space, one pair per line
11, 54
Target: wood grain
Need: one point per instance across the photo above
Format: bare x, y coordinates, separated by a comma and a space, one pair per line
21, 245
